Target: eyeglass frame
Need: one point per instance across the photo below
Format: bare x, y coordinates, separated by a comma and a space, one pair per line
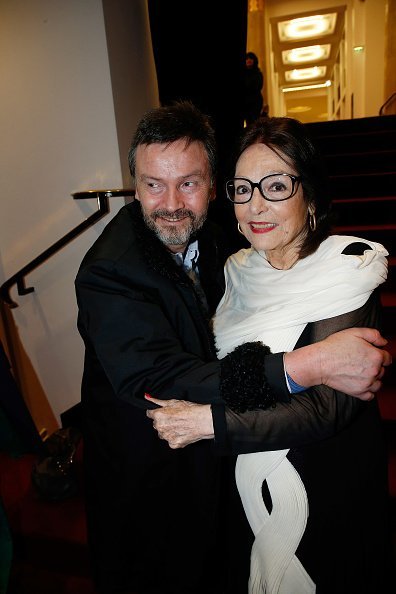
296, 180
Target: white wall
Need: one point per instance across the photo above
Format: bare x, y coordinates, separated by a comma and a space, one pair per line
59, 135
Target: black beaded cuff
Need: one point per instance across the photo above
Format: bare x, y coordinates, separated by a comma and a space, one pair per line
243, 383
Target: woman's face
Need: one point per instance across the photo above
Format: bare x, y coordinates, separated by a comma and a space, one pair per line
277, 228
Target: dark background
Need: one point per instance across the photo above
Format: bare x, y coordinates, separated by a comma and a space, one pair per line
199, 51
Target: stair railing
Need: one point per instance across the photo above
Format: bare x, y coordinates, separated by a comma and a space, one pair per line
390, 101
18, 279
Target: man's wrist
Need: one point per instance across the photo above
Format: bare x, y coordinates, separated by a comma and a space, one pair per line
304, 365
293, 386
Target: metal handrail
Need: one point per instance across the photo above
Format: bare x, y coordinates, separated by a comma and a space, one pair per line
385, 105
18, 279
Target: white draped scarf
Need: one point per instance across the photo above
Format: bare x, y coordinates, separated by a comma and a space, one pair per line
274, 306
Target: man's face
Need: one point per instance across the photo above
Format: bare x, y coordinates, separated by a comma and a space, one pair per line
174, 187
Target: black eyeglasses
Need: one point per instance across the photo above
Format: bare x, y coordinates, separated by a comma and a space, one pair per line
275, 188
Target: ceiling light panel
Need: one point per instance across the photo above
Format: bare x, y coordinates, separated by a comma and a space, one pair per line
306, 87
299, 109
307, 27
309, 53
301, 74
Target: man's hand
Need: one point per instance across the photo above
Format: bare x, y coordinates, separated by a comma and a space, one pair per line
348, 361
180, 422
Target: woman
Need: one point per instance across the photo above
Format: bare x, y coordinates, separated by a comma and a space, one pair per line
320, 521
253, 81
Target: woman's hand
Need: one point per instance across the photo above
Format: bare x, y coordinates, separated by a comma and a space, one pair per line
180, 422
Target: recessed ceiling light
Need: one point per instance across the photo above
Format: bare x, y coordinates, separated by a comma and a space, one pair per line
305, 73
307, 27
309, 53
299, 109
307, 87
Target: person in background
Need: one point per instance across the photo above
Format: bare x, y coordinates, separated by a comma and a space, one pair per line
313, 474
146, 292
253, 84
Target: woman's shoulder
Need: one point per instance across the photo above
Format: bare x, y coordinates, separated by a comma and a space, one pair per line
240, 257
349, 245
356, 248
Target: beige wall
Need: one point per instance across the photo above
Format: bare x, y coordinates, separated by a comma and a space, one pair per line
367, 67
59, 118
390, 52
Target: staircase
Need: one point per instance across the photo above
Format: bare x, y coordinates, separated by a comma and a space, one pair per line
361, 161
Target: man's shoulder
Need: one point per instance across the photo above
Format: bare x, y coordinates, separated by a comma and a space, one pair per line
116, 239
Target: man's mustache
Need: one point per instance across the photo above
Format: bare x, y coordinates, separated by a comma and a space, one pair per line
175, 215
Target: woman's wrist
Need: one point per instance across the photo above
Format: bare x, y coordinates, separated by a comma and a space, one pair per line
205, 422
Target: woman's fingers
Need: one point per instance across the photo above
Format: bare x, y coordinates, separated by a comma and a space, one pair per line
182, 423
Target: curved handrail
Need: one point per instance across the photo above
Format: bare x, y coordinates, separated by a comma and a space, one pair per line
384, 106
18, 279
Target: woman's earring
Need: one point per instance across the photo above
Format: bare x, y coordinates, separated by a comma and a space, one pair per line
312, 221
240, 230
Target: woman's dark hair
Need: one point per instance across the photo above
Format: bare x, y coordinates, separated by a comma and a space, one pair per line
290, 140
181, 120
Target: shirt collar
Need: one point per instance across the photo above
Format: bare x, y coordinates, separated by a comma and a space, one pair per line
188, 259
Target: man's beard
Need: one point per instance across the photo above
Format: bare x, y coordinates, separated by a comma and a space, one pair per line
172, 234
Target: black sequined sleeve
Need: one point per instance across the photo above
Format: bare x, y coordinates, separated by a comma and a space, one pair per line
243, 381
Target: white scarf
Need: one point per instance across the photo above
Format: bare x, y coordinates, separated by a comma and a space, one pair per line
274, 306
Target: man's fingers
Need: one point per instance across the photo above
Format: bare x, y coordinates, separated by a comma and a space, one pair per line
381, 373
387, 359
375, 386
370, 335
366, 396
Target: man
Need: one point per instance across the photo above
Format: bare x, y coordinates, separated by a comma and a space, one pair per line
146, 291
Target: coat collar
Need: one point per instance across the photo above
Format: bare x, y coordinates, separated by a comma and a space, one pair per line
159, 259
153, 250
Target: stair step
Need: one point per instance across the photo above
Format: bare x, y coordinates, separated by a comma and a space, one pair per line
363, 185
389, 378
356, 136
355, 126
359, 200
364, 211
387, 403
368, 162
390, 283
384, 234
390, 436
388, 301
355, 143
386, 227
